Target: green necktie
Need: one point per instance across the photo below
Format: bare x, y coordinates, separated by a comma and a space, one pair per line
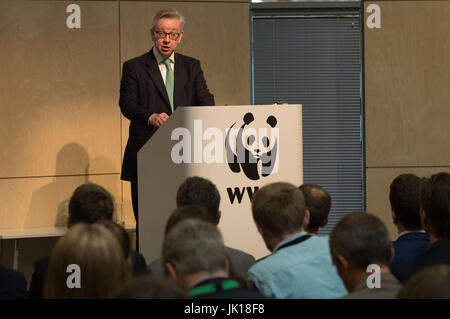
169, 81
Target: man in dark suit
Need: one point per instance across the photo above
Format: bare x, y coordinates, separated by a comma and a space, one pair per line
404, 196
154, 85
435, 218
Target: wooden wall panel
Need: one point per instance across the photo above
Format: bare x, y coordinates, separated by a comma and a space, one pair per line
59, 86
407, 76
43, 201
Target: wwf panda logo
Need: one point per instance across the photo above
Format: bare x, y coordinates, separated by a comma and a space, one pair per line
251, 149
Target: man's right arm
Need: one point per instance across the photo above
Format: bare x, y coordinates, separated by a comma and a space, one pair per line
130, 98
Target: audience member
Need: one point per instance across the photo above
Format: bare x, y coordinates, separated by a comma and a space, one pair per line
135, 260
89, 203
435, 198
202, 213
430, 283
100, 270
200, 191
318, 203
404, 197
194, 255
300, 264
358, 241
149, 287
13, 284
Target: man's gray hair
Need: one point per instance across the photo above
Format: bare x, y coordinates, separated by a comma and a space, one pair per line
168, 13
193, 245
362, 239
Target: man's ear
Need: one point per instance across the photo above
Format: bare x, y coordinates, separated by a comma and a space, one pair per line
219, 215
260, 230
424, 221
172, 272
341, 262
325, 222
306, 219
69, 222
181, 36
228, 266
392, 255
394, 218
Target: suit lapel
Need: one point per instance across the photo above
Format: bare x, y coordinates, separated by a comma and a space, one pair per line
155, 73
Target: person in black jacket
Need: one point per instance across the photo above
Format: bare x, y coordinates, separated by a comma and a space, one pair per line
435, 197
89, 204
153, 85
13, 284
404, 196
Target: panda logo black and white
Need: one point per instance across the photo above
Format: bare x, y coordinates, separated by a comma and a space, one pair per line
253, 150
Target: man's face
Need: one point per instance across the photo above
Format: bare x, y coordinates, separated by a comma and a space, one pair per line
164, 44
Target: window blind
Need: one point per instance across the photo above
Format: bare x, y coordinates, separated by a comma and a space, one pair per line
314, 59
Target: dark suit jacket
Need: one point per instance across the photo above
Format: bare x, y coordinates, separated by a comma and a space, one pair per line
240, 260
138, 264
142, 93
13, 284
409, 246
438, 253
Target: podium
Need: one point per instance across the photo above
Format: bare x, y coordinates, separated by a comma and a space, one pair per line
238, 148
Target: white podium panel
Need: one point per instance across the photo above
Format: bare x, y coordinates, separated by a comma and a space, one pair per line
238, 148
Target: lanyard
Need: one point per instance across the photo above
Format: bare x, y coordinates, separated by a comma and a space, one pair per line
210, 288
291, 243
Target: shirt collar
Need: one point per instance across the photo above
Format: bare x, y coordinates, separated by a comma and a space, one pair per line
410, 231
159, 58
293, 237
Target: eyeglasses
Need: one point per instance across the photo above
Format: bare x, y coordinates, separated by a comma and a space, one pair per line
162, 34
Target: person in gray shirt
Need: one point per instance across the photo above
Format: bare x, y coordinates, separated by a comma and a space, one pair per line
362, 252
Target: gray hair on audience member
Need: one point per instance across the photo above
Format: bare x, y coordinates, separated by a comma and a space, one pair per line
193, 245
168, 13
362, 239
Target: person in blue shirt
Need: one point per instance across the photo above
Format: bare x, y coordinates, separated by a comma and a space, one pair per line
300, 264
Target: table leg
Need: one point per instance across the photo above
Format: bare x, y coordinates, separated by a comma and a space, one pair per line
16, 255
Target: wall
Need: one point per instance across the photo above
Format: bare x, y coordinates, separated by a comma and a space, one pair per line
407, 76
61, 125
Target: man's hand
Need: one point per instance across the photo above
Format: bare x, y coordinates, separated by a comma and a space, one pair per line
157, 119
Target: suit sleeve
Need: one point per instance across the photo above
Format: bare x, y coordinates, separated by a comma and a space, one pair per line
130, 104
202, 95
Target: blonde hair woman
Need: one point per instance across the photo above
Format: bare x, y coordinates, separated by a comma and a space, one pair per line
87, 262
